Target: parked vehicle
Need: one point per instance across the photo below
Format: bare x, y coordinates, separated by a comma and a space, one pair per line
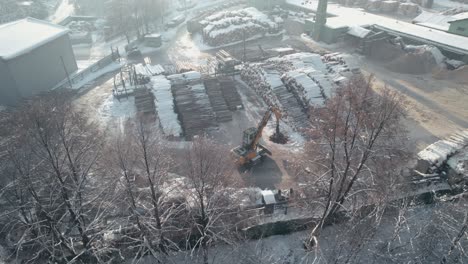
175, 21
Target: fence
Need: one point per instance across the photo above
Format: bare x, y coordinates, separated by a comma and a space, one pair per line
80, 76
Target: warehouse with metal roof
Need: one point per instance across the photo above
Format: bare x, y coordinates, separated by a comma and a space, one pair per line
35, 56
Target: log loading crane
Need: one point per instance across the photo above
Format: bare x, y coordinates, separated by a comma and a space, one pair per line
251, 152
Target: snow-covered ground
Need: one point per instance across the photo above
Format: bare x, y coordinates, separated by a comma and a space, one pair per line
117, 111
89, 78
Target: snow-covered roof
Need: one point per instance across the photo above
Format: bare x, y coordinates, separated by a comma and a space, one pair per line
433, 20
460, 16
22, 36
268, 197
344, 16
358, 31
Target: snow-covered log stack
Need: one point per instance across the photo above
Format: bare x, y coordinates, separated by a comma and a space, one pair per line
256, 78
149, 70
165, 106
435, 156
389, 6
306, 90
233, 26
321, 69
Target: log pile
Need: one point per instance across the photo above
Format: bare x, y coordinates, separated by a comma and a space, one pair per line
218, 103
304, 88
165, 107
295, 112
230, 94
194, 108
268, 84
234, 26
254, 76
144, 101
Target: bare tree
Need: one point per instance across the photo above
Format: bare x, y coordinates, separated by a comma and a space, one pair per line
141, 161
357, 134
55, 184
121, 17
208, 169
128, 16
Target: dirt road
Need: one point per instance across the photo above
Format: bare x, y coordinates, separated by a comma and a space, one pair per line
436, 109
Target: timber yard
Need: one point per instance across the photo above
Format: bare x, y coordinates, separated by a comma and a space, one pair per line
267, 81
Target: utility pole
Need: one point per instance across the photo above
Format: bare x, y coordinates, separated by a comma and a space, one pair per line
243, 34
320, 19
66, 72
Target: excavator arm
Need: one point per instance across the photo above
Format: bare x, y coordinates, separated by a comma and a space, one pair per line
278, 116
251, 151
263, 124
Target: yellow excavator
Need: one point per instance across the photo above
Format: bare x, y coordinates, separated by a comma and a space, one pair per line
251, 152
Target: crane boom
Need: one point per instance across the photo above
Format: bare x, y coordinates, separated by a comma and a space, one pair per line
263, 123
251, 151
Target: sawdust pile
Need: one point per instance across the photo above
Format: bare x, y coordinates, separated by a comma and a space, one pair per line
459, 75
413, 63
384, 51
410, 60
279, 138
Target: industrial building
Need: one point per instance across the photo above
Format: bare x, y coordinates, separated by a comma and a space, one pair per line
459, 25
340, 20
455, 24
35, 56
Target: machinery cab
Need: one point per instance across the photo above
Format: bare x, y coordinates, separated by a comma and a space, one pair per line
246, 154
251, 152
249, 136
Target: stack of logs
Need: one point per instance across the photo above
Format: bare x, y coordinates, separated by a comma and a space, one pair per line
144, 102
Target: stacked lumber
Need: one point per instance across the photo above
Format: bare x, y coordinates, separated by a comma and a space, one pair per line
230, 94
148, 69
165, 107
194, 108
295, 111
218, 103
155, 69
144, 101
